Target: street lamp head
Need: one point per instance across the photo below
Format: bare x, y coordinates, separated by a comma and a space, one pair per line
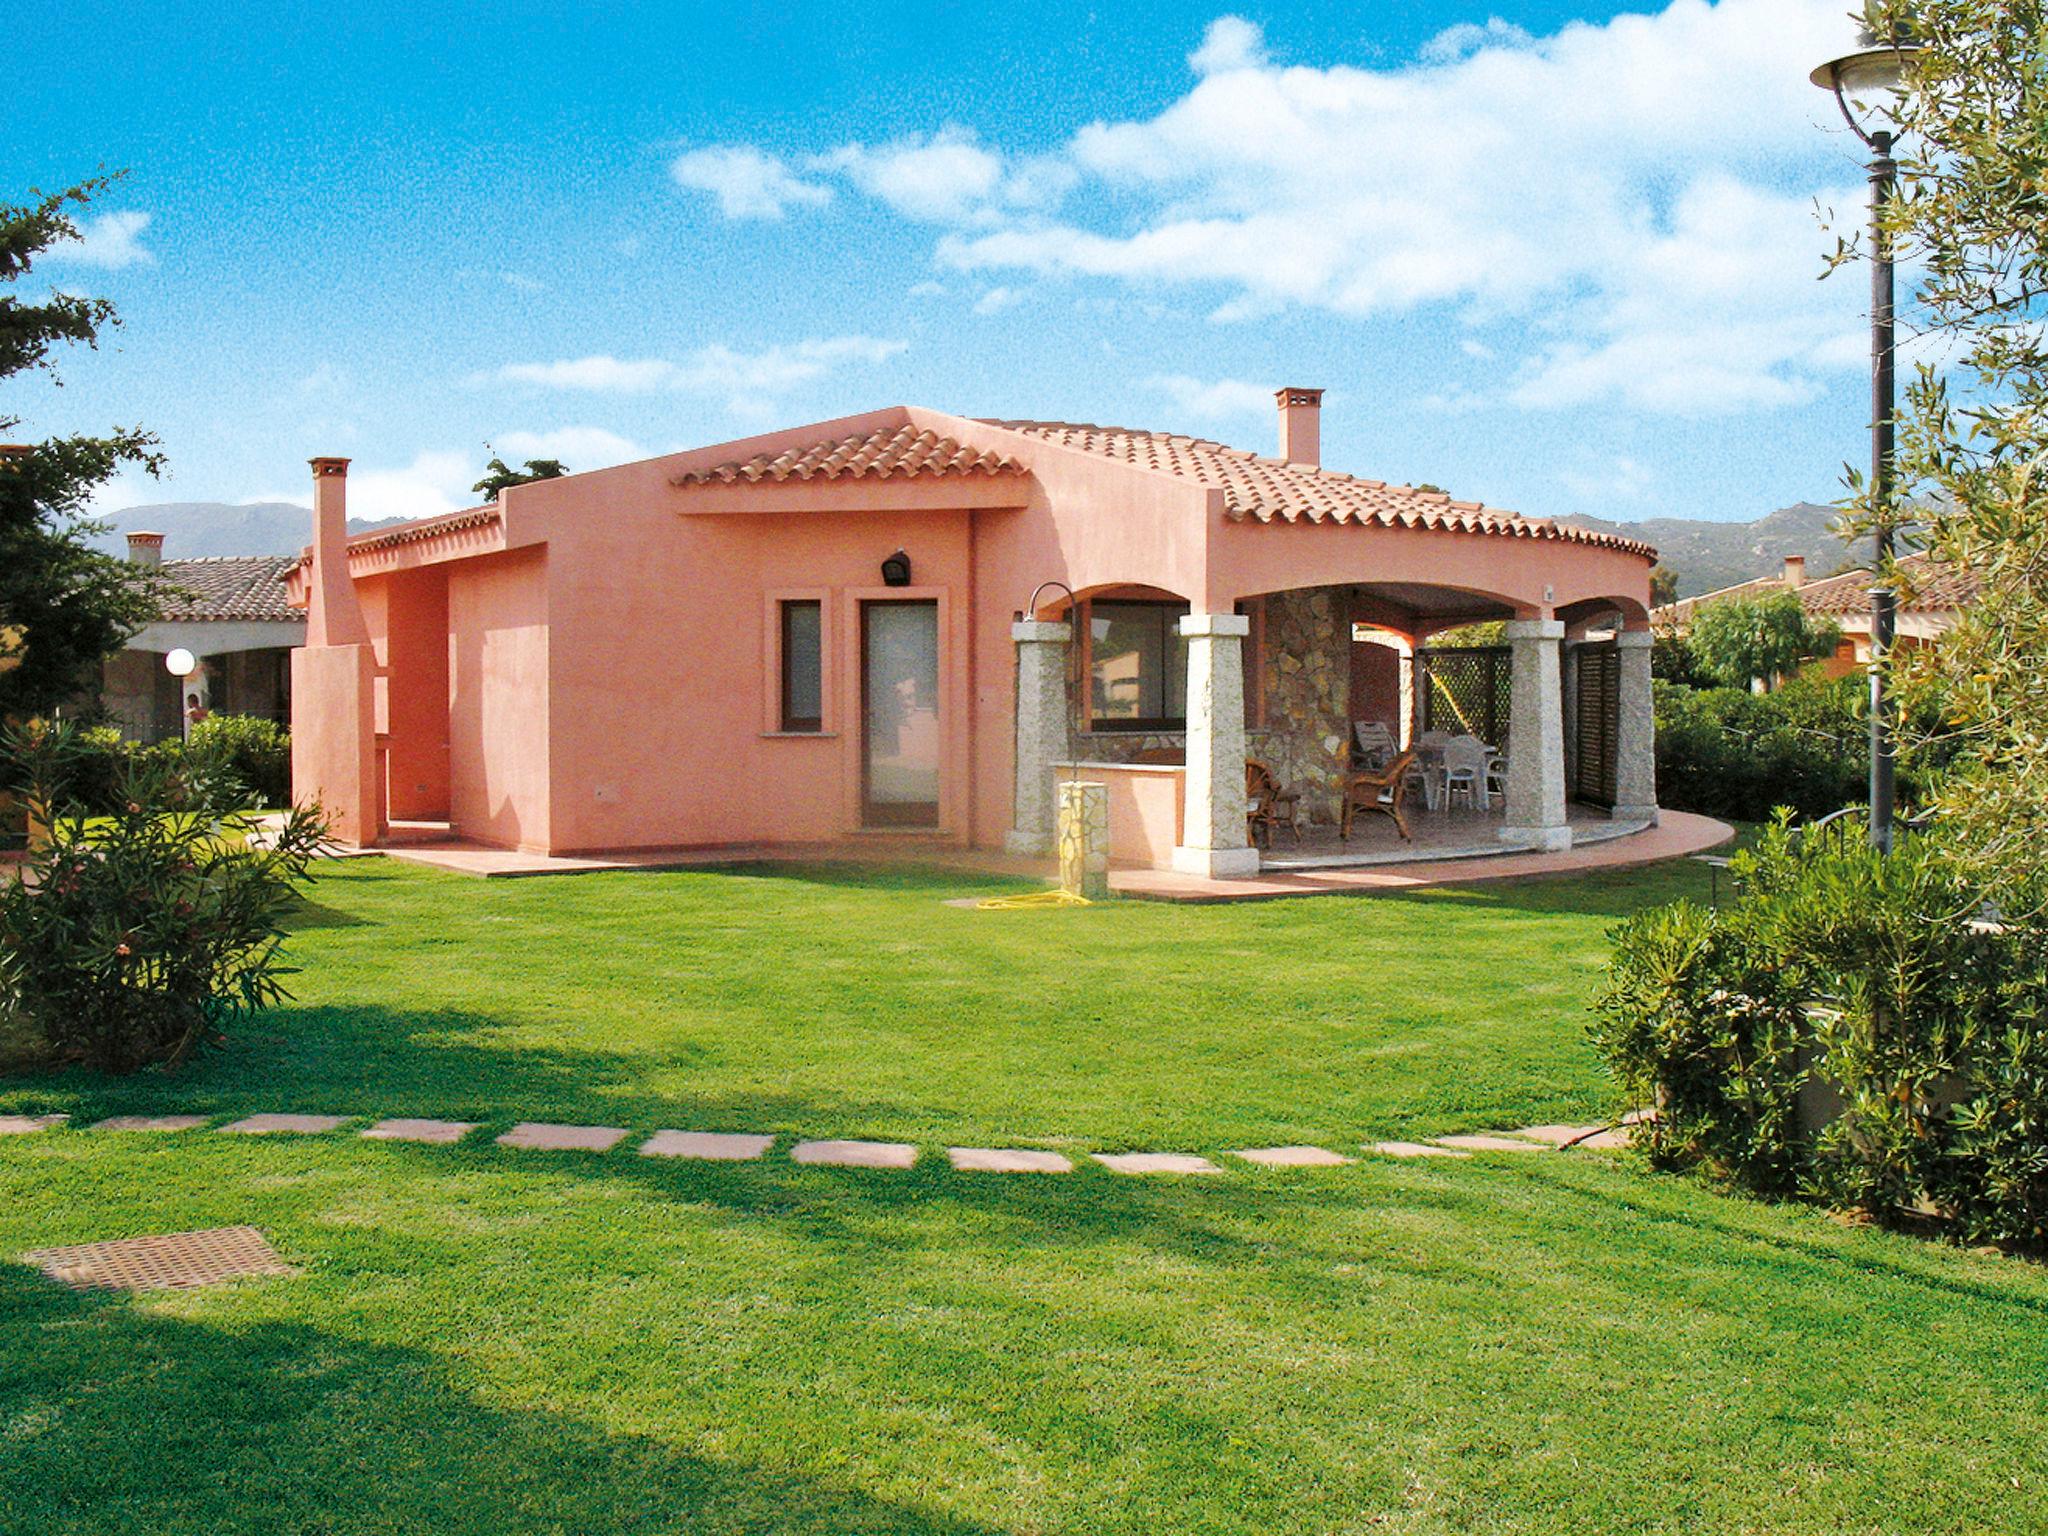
1878, 68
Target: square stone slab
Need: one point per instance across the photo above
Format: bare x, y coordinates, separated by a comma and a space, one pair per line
440, 1132
28, 1125
1558, 1135
717, 1146
1007, 1160
1487, 1143
563, 1138
175, 1261
1292, 1157
1155, 1162
151, 1123
1413, 1149
298, 1125
855, 1154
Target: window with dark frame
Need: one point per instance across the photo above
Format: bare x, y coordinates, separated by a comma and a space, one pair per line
1138, 667
802, 665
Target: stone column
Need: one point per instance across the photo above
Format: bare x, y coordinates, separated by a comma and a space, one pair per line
1041, 731
1213, 840
1084, 840
1536, 799
1635, 733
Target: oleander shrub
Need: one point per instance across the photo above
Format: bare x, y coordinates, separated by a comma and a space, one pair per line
1847, 1027
135, 936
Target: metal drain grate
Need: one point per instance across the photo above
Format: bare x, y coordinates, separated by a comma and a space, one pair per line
174, 1261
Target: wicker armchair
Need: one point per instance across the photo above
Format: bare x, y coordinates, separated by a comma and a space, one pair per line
1382, 791
1267, 805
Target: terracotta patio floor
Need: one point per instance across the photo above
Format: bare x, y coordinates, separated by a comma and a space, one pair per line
1448, 848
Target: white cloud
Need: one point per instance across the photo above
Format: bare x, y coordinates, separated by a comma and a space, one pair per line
519, 282
998, 299
107, 240
1222, 398
1642, 186
580, 448
1230, 43
432, 482
941, 178
599, 372
749, 183
744, 378
1467, 37
748, 381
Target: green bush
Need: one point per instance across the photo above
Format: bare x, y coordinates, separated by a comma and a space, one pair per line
257, 751
1846, 1028
1729, 752
135, 936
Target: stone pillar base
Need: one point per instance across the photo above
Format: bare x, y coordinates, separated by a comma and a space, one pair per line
1647, 814
1084, 840
1019, 841
1216, 863
1548, 839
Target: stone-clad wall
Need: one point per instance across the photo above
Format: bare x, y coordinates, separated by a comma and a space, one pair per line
1306, 664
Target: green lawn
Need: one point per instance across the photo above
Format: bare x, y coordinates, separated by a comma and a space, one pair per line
484, 1341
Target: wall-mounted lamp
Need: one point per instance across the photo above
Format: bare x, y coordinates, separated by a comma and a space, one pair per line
896, 570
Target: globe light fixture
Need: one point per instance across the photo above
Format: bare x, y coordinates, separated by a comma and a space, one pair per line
181, 663
1878, 67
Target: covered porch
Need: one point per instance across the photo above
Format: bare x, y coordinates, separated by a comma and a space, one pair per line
1165, 707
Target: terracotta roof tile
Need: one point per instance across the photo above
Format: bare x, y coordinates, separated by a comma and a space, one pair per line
1259, 489
1927, 587
891, 453
230, 587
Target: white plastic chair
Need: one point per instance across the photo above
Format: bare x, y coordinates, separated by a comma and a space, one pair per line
1497, 775
1465, 771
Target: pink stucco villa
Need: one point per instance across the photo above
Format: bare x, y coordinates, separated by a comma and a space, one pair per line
906, 624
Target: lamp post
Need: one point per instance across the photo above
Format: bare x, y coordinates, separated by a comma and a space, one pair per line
1873, 68
181, 664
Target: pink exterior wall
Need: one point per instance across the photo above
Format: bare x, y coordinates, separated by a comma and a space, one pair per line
498, 717
1146, 802
610, 662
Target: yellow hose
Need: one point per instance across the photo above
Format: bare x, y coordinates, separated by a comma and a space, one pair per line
1034, 900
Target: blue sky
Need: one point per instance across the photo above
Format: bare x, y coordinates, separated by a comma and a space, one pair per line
1556, 257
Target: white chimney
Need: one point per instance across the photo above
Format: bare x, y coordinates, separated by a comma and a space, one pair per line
145, 548
1301, 425
1795, 571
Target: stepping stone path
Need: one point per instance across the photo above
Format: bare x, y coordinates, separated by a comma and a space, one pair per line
740, 1147
28, 1125
293, 1125
1007, 1160
855, 1154
563, 1138
1155, 1162
437, 1132
1293, 1157
714, 1146
1413, 1149
152, 1123
1487, 1143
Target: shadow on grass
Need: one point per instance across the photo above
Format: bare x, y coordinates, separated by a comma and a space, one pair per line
120, 1419
907, 878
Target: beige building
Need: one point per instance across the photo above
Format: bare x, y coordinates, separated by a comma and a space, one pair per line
230, 613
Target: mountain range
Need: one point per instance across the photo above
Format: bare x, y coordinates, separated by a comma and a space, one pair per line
1705, 555
195, 529
1708, 556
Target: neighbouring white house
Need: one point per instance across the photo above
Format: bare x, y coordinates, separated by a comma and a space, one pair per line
230, 612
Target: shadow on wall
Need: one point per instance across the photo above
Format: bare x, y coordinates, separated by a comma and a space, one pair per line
322, 1433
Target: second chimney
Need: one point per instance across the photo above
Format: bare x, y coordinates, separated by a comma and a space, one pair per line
1795, 571
145, 548
1301, 425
